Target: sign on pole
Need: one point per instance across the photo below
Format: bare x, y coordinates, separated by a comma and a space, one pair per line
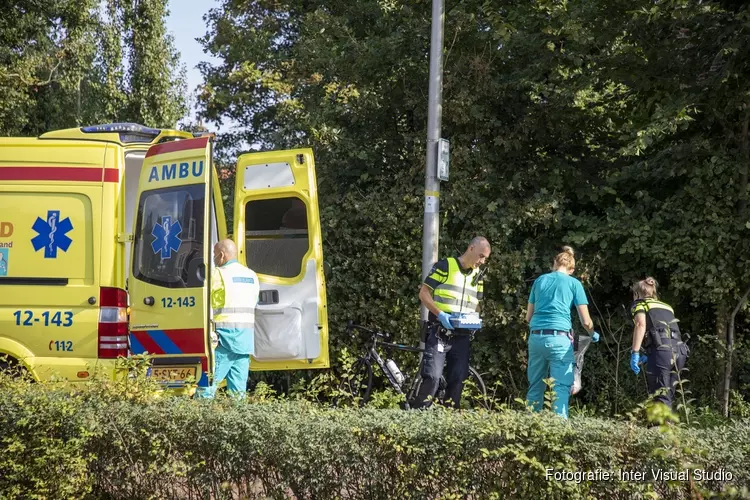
443, 163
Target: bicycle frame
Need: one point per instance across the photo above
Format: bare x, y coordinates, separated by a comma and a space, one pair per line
373, 355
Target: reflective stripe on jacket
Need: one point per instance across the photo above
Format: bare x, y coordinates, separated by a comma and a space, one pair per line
234, 295
660, 319
459, 292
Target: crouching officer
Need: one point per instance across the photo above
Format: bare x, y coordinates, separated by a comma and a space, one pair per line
453, 285
234, 295
657, 331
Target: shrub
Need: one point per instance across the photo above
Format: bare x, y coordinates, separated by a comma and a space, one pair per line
125, 440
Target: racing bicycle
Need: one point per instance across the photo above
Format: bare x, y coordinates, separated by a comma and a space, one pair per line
359, 383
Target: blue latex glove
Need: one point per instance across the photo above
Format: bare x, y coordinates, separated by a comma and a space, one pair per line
445, 320
595, 337
635, 359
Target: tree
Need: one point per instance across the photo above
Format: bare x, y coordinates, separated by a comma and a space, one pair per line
45, 49
155, 80
66, 64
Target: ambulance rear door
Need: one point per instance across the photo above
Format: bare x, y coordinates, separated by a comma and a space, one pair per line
277, 230
175, 228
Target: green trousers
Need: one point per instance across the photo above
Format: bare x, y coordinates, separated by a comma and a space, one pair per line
550, 356
230, 366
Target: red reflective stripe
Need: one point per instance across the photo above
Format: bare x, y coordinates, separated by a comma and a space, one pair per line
148, 343
111, 175
82, 174
189, 340
174, 146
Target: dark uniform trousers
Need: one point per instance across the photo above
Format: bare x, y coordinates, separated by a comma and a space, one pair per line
454, 352
662, 368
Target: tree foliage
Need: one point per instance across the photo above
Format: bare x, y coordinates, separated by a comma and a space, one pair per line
618, 126
67, 63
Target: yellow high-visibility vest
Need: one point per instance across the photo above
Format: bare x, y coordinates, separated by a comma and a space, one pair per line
460, 292
234, 295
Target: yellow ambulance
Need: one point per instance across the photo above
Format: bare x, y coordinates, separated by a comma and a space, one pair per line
106, 239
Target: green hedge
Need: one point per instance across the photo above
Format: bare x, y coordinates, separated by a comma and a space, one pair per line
123, 441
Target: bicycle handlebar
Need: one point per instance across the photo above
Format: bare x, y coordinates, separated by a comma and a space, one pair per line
377, 333
385, 335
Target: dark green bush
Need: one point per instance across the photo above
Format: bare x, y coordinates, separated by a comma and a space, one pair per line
125, 440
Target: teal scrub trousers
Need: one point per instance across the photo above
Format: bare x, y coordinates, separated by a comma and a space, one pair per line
233, 367
550, 356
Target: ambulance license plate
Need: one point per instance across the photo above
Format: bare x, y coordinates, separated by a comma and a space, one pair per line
172, 373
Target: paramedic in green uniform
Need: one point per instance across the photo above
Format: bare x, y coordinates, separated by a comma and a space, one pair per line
551, 331
234, 295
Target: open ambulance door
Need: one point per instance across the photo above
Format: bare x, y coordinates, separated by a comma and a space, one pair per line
277, 231
178, 220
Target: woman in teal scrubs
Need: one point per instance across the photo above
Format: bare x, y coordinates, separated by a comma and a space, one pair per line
551, 331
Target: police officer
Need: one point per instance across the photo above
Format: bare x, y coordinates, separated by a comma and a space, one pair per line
234, 295
453, 285
657, 331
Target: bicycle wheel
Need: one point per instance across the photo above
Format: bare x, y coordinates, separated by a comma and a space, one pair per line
475, 391
358, 385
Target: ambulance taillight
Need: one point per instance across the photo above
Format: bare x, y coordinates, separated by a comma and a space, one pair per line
113, 323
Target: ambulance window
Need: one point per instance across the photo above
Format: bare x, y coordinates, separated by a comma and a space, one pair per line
169, 237
276, 237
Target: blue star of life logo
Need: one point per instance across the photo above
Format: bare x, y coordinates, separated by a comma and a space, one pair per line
52, 234
166, 235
